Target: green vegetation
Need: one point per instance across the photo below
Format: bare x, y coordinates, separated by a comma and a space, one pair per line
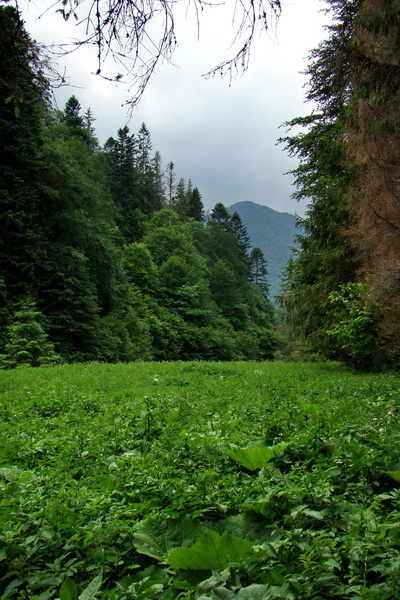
115, 258
342, 287
199, 480
274, 232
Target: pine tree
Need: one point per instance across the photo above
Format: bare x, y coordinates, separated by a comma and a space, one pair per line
240, 232
121, 154
195, 205
170, 176
21, 171
220, 215
28, 344
159, 178
72, 116
259, 270
180, 201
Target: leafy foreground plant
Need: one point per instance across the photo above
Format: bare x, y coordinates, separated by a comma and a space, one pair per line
199, 480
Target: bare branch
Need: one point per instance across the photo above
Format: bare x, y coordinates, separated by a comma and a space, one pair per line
139, 34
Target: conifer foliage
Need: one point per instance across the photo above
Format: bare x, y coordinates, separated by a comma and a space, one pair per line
28, 344
342, 287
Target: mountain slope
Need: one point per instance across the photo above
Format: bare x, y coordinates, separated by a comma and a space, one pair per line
274, 232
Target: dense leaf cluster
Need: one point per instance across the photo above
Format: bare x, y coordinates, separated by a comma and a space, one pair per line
191, 480
102, 250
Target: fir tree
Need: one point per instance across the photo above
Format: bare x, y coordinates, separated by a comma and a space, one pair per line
259, 270
28, 344
21, 170
195, 205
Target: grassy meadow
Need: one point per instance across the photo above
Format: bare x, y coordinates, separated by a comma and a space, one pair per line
254, 481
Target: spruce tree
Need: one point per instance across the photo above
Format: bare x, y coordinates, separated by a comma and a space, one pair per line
195, 205
240, 232
259, 270
21, 172
28, 344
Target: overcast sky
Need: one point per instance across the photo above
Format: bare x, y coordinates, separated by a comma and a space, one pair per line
220, 135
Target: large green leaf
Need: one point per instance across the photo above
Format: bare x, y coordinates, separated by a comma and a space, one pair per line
394, 475
244, 525
254, 592
211, 551
91, 590
255, 457
68, 590
156, 536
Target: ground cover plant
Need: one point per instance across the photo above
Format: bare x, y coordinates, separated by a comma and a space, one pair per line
199, 480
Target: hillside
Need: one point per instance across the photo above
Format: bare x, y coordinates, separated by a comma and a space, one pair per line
271, 231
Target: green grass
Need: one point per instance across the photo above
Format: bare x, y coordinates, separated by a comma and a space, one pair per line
199, 480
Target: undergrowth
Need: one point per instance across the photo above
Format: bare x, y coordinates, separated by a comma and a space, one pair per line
199, 480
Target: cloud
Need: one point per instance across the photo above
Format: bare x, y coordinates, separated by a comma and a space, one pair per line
220, 134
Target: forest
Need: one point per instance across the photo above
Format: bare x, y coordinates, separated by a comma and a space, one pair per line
107, 255
162, 452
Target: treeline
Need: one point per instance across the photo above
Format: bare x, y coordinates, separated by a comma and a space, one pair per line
104, 255
342, 287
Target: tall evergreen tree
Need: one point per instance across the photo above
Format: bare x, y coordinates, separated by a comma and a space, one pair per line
180, 202
240, 232
27, 342
170, 177
121, 156
159, 178
72, 116
21, 170
149, 195
195, 205
259, 270
220, 215
346, 238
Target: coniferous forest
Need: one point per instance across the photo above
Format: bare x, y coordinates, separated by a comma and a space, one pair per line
106, 254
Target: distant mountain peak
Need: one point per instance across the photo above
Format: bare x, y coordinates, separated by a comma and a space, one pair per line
272, 231
257, 207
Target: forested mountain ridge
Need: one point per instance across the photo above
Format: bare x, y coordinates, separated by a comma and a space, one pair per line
272, 231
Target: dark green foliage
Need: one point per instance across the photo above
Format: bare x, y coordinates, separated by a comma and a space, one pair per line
220, 215
187, 202
195, 205
21, 111
199, 481
259, 270
228, 295
240, 232
150, 197
27, 342
123, 183
325, 259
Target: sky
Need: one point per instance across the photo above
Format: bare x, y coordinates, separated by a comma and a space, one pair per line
220, 134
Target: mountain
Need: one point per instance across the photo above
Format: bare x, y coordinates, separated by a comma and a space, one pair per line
274, 232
